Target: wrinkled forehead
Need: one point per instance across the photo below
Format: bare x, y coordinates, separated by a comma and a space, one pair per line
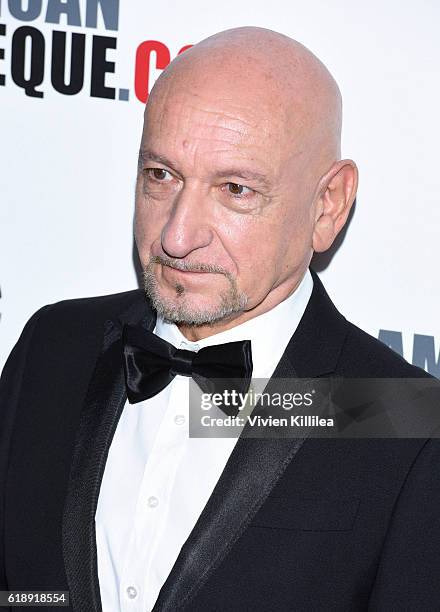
273, 103
218, 118
243, 107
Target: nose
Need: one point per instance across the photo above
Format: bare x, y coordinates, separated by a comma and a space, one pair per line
186, 228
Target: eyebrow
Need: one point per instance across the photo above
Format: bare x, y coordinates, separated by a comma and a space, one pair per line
148, 155
243, 173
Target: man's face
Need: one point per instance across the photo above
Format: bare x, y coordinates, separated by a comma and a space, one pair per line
223, 203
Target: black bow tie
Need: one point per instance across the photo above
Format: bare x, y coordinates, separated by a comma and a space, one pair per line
151, 363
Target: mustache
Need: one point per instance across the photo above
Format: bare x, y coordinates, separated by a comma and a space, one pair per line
186, 266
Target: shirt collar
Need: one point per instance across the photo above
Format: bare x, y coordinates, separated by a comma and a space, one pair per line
269, 332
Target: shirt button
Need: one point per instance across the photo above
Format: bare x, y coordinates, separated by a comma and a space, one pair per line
131, 592
153, 501
179, 419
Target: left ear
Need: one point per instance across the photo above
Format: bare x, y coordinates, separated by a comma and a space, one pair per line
336, 194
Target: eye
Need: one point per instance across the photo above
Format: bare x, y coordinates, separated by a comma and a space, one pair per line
238, 190
158, 174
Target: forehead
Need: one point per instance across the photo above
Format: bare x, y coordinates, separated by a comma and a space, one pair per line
212, 123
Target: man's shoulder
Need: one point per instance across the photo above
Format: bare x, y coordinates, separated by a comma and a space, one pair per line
102, 306
351, 351
364, 355
87, 315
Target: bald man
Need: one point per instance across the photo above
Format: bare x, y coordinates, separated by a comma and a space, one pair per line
106, 495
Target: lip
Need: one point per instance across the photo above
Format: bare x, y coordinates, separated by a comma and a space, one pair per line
187, 274
187, 271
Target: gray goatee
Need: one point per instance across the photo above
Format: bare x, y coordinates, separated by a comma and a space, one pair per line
175, 310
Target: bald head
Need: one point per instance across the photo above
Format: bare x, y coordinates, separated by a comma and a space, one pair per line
272, 73
240, 177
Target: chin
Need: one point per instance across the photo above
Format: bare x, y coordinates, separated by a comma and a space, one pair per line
184, 302
189, 310
194, 309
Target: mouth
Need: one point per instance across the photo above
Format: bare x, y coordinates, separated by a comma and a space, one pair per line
187, 268
189, 271
172, 274
182, 267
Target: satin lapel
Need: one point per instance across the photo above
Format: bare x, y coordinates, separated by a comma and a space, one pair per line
255, 465
102, 408
249, 475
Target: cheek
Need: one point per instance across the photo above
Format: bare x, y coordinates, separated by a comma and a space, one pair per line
251, 244
265, 248
148, 223
299, 229
295, 243
140, 224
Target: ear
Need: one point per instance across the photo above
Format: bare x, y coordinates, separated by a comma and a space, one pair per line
336, 194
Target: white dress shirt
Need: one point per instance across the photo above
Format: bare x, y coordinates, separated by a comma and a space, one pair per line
157, 480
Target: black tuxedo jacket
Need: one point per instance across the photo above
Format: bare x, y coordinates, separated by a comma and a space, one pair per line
292, 525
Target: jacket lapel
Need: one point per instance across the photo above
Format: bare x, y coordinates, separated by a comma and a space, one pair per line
255, 465
102, 408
